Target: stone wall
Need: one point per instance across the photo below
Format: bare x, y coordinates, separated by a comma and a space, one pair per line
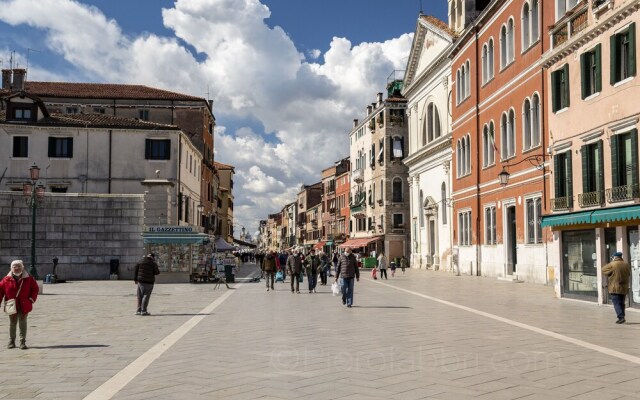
85, 231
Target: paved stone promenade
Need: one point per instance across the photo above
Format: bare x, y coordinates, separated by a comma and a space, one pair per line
424, 335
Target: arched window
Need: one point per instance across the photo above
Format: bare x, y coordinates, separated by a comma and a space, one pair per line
468, 155
492, 144
503, 46
512, 133
433, 122
490, 58
420, 210
443, 194
397, 190
459, 85
504, 137
526, 27
463, 83
424, 131
458, 159
511, 47
467, 90
526, 124
534, 21
485, 64
535, 120
485, 145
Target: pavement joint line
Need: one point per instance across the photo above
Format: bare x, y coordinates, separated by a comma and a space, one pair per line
555, 335
117, 382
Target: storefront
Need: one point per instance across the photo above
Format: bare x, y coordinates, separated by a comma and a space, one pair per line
179, 251
585, 242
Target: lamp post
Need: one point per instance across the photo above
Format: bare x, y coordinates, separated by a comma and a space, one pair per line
535, 160
34, 193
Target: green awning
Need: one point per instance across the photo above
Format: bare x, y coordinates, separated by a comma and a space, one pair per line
329, 243
627, 213
194, 238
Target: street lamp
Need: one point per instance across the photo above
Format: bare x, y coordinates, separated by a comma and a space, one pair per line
535, 160
34, 194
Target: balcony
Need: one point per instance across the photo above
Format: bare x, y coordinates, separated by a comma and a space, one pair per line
357, 175
561, 203
622, 193
591, 199
574, 22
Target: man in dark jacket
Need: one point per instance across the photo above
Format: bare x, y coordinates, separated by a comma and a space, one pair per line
145, 276
619, 273
269, 268
348, 269
294, 268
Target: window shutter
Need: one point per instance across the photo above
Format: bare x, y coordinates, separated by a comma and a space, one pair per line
598, 57
600, 187
632, 49
402, 146
147, 149
52, 147
567, 89
556, 176
554, 91
569, 179
585, 169
70, 143
634, 157
615, 177
613, 56
584, 74
16, 147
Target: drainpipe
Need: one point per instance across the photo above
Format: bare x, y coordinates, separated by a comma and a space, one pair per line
478, 152
544, 146
110, 161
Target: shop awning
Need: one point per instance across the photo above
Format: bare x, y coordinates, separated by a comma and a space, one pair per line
165, 238
360, 242
319, 246
222, 245
613, 214
329, 243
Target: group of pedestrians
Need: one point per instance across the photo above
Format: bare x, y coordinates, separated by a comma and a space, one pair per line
296, 266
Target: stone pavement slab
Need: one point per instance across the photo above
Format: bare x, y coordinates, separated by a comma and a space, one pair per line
393, 344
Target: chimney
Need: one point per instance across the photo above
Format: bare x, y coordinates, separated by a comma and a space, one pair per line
6, 78
210, 104
368, 110
373, 106
355, 122
379, 99
18, 78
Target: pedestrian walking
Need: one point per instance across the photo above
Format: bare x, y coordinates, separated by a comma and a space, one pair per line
404, 263
269, 269
312, 267
324, 268
382, 265
144, 276
393, 268
619, 273
335, 260
283, 264
348, 268
20, 289
294, 268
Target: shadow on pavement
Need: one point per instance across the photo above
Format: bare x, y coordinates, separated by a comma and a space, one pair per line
175, 315
382, 307
69, 346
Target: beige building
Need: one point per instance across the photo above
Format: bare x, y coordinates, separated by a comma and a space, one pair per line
225, 201
593, 123
308, 197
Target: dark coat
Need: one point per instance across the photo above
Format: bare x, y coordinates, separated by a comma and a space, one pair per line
28, 294
294, 264
348, 267
269, 263
146, 271
619, 273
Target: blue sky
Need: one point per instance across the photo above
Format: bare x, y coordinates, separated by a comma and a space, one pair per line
287, 76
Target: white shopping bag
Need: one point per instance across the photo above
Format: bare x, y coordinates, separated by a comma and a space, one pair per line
335, 288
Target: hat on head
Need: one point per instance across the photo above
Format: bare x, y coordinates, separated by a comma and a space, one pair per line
617, 254
16, 263
151, 255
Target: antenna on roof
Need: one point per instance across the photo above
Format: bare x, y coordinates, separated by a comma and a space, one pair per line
421, 13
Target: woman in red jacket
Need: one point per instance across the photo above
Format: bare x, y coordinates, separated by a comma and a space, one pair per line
22, 287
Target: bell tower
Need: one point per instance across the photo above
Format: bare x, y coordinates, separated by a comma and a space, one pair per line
463, 12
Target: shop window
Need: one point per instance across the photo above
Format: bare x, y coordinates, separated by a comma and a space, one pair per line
579, 269
623, 54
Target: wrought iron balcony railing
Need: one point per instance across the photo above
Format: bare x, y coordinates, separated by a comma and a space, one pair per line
591, 199
561, 203
623, 193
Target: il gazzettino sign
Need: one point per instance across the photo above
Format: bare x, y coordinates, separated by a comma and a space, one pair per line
170, 229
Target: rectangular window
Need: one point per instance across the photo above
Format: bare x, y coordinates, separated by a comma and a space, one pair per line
534, 217
22, 113
157, 149
592, 168
560, 88
563, 181
98, 110
398, 221
72, 110
623, 54
20, 147
490, 225
144, 115
60, 147
397, 147
590, 71
464, 228
624, 162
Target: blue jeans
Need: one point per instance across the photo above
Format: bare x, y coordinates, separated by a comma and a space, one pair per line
312, 279
347, 290
618, 304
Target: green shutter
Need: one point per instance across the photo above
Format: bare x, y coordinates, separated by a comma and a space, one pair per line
632, 49
584, 74
556, 176
615, 177
569, 180
585, 169
567, 90
554, 91
634, 157
600, 183
613, 56
598, 57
